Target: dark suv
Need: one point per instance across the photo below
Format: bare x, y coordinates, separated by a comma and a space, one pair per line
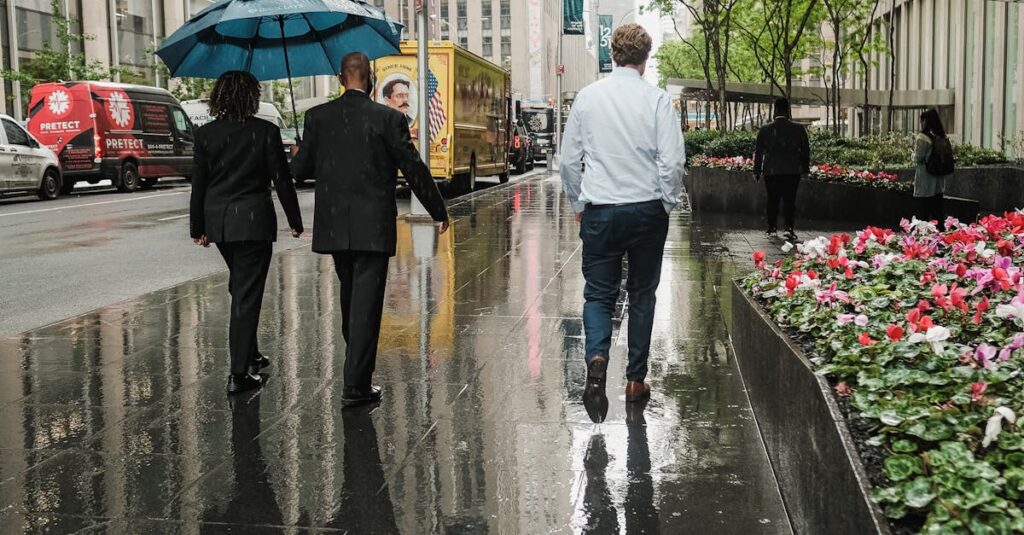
520, 150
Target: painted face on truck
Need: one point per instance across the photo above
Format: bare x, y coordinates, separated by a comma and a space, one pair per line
396, 95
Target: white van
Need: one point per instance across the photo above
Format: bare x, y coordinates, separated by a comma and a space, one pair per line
198, 111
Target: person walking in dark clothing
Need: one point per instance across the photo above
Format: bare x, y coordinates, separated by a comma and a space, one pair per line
782, 155
354, 148
929, 188
237, 156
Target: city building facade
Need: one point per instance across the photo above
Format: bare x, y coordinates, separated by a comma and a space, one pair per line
973, 47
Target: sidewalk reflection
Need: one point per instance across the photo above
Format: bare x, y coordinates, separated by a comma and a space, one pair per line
365, 506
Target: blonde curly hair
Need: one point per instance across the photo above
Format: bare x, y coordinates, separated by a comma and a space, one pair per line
631, 45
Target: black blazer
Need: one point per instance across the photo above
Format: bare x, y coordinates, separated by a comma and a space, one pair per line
235, 162
782, 149
354, 147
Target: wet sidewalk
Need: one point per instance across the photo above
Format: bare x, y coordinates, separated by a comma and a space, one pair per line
117, 422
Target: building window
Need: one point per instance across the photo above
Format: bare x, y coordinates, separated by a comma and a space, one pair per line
505, 9
488, 48
460, 9
506, 46
464, 41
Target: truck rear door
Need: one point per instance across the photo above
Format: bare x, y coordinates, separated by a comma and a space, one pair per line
184, 141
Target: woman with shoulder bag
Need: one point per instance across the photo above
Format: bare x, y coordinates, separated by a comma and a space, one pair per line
933, 157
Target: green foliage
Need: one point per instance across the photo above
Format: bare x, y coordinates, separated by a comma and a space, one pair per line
888, 152
54, 63
938, 406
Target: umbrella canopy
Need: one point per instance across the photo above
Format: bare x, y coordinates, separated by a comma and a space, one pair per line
275, 39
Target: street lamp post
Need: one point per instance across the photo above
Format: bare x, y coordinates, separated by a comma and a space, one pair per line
557, 160
416, 208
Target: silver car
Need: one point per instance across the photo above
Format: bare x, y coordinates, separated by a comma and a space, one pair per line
25, 165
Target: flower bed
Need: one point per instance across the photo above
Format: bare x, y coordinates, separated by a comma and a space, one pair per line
921, 333
823, 172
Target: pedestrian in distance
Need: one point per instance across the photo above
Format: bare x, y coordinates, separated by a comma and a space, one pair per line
354, 147
237, 156
781, 156
623, 159
933, 155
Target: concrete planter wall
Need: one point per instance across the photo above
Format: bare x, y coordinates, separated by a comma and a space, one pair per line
823, 482
723, 190
997, 188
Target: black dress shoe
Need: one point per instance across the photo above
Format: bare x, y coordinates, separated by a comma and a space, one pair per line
238, 383
594, 398
354, 398
258, 364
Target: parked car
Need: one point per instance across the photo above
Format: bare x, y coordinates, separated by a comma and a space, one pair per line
520, 150
26, 166
129, 134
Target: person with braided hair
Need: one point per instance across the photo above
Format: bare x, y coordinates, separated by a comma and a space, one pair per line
237, 156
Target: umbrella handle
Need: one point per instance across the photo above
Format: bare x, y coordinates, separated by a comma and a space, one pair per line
291, 91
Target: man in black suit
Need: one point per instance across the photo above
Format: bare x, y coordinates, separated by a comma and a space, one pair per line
237, 157
354, 148
783, 153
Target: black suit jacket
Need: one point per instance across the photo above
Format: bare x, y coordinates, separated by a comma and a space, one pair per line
354, 147
235, 162
782, 149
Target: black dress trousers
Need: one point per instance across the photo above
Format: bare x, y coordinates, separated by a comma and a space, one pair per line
363, 276
248, 263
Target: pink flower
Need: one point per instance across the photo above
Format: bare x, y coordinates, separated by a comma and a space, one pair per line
845, 319
984, 354
1006, 352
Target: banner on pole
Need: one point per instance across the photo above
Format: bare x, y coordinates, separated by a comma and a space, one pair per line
604, 43
572, 17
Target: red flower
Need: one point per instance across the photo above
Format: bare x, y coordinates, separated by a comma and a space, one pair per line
928, 277
865, 340
978, 391
843, 389
961, 270
939, 290
759, 258
980, 309
894, 332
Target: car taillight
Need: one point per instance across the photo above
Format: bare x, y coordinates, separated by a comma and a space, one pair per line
97, 145
517, 142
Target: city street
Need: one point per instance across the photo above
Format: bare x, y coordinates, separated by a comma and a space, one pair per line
78, 253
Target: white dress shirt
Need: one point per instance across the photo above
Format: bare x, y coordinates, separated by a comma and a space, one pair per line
622, 144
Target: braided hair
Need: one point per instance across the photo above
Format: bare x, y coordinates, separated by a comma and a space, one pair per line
235, 96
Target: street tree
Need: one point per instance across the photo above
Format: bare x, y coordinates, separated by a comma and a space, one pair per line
777, 32
55, 63
714, 20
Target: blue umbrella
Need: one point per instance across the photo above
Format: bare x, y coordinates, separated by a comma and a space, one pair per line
275, 39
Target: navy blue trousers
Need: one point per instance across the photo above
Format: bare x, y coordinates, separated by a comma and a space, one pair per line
610, 233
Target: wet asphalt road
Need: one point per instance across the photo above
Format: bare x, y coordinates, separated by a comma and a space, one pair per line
97, 247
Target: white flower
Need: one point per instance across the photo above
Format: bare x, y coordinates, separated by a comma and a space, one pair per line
816, 248
935, 336
995, 424
787, 247
1013, 311
861, 320
982, 251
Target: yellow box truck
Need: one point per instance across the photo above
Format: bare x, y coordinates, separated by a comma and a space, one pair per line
467, 110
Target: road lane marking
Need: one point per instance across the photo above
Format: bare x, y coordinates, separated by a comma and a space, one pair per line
57, 209
173, 217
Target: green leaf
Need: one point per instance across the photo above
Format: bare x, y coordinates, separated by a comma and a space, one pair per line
890, 418
918, 493
901, 467
904, 446
1011, 441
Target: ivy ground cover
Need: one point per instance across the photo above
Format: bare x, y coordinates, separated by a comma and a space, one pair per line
921, 332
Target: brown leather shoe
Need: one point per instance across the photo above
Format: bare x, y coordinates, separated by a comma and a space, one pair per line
637, 391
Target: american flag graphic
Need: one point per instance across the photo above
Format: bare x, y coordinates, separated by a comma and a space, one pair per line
435, 115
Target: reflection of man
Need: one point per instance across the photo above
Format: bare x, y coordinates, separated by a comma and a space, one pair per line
396, 95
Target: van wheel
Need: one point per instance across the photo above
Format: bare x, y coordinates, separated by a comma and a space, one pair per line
51, 186
129, 178
469, 184
147, 183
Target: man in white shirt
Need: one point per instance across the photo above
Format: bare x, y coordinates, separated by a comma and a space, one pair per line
622, 164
